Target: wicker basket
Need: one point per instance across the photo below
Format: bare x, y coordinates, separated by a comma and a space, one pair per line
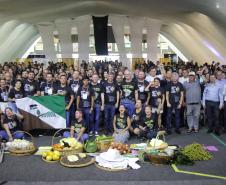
103, 146
65, 151
18, 152
158, 159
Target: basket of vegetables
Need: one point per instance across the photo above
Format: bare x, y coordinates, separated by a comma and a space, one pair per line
66, 146
104, 142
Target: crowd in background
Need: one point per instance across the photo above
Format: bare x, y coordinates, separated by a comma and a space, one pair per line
105, 95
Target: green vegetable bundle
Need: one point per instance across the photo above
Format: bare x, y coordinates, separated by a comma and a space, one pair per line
196, 152
104, 138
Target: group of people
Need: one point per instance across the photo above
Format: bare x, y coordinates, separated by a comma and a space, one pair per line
142, 102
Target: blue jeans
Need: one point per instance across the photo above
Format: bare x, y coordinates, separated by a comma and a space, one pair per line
83, 138
96, 118
13, 106
69, 115
87, 117
129, 105
4, 135
151, 134
169, 118
109, 112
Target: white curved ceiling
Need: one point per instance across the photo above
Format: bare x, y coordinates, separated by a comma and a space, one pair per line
196, 27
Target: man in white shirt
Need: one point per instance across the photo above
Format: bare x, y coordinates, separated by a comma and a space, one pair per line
185, 77
152, 75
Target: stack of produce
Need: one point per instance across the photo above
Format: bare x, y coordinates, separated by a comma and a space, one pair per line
90, 146
122, 148
196, 152
103, 142
20, 144
68, 144
51, 155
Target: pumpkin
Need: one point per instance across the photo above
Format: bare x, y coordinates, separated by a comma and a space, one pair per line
90, 146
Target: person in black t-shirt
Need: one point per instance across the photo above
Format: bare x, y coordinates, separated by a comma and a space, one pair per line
174, 99
75, 82
31, 87
78, 128
129, 90
85, 101
48, 86
98, 103
15, 93
150, 128
143, 95
64, 90
111, 102
137, 119
11, 124
157, 94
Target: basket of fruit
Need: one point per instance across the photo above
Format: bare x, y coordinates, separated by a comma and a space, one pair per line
51, 156
21, 147
104, 142
67, 146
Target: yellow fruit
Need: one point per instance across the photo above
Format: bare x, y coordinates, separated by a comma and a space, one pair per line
50, 153
56, 153
44, 154
56, 157
49, 158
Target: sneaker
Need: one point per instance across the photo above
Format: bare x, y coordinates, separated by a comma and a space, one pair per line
209, 131
189, 131
178, 131
96, 133
196, 130
91, 133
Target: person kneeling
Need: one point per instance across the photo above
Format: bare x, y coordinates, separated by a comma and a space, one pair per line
11, 124
121, 125
78, 128
150, 129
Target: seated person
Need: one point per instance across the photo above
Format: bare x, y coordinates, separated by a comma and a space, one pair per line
78, 128
149, 130
137, 119
11, 124
121, 125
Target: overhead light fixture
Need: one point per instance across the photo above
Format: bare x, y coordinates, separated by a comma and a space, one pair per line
217, 5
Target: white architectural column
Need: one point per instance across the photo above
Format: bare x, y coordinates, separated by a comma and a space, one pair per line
46, 32
153, 29
118, 23
64, 29
136, 27
83, 27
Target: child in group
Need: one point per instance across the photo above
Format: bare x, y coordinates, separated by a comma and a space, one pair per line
78, 128
121, 125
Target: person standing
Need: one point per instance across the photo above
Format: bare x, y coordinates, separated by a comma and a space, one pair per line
47, 87
98, 103
129, 93
64, 90
85, 102
31, 86
143, 95
193, 102
174, 99
213, 102
111, 102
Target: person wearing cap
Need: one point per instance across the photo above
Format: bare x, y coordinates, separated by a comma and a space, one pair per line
213, 102
85, 101
193, 102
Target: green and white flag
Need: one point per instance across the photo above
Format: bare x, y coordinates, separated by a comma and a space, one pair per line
49, 109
